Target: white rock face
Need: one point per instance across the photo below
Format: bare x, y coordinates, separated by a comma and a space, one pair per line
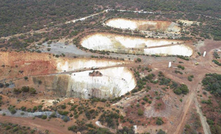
84, 64
122, 24
133, 24
119, 43
110, 41
114, 82
170, 50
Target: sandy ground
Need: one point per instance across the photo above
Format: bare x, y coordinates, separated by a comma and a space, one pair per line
55, 126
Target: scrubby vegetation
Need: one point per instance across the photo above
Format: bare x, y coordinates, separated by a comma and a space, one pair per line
194, 124
42, 13
110, 118
10, 128
190, 78
12, 109
212, 83
24, 89
217, 62
159, 121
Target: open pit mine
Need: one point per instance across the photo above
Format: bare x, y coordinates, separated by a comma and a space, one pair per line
135, 45
143, 25
63, 77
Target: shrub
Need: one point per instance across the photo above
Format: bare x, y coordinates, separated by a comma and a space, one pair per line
26, 78
140, 112
15, 129
53, 115
32, 91
23, 108
138, 60
178, 72
17, 91
63, 112
44, 117
216, 55
206, 101
1, 85
182, 89
34, 108
72, 128
177, 91
190, 78
25, 89
184, 57
161, 132
212, 83
12, 109
63, 106
181, 67
216, 62
159, 121
65, 119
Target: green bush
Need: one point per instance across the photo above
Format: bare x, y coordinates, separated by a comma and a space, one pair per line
17, 91
63, 112
34, 108
53, 115
206, 101
216, 62
63, 106
65, 119
44, 117
12, 109
216, 55
138, 60
25, 89
159, 121
140, 112
212, 83
32, 91
181, 67
72, 128
182, 89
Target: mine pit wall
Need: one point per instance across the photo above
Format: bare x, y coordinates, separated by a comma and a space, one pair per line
114, 82
135, 45
77, 64
170, 50
135, 24
57, 85
107, 41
